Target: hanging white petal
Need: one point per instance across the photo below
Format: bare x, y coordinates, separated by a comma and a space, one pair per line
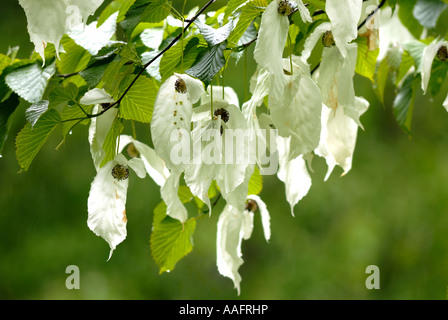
154, 165
429, 54
270, 44
49, 20
264, 213
344, 16
171, 120
101, 125
293, 173
107, 201
93, 39
169, 192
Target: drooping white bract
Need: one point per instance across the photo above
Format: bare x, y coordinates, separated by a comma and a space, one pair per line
235, 224
93, 39
338, 137
271, 43
49, 20
220, 149
107, 201
170, 128
172, 113
429, 55
292, 172
260, 83
154, 165
297, 113
344, 16
101, 125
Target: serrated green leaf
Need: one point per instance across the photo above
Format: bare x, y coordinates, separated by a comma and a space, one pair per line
4, 62
145, 11
406, 64
255, 183
74, 59
30, 82
30, 140
366, 60
62, 95
209, 63
73, 112
404, 102
249, 12
438, 75
34, 112
122, 6
172, 59
7, 109
138, 103
233, 6
415, 49
171, 241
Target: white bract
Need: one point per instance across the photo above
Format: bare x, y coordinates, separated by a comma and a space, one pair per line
101, 125
107, 201
49, 20
235, 224
93, 39
429, 55
271, 43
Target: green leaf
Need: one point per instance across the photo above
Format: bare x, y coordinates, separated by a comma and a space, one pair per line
29, 82
4, 62
319, 4
110, 143
73, 112
75, 58
138, 103
171, 60
255, 182
171, 241
62, 95
404, 102
30, 140
209, 63
232, 6
366, 60
145, 11
7, 109
438, 75
249, 12
185, 194
427, 12
406, 63
122, 6
34, 112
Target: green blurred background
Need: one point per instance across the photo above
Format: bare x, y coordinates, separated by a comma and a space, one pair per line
391, 210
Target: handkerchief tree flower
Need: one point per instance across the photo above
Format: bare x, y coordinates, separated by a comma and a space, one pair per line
205, 136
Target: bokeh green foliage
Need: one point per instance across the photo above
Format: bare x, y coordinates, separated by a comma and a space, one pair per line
391, 210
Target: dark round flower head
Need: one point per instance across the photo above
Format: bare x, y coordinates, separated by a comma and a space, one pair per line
286, 8
251, 205
225, 116
120, 172
180, 86
442, 53
328, 39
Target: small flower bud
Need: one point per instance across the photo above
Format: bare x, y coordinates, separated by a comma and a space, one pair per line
442, 53
328, 39
180, 86
120, 172
225, 116
251, 205
132, 151
286, 8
